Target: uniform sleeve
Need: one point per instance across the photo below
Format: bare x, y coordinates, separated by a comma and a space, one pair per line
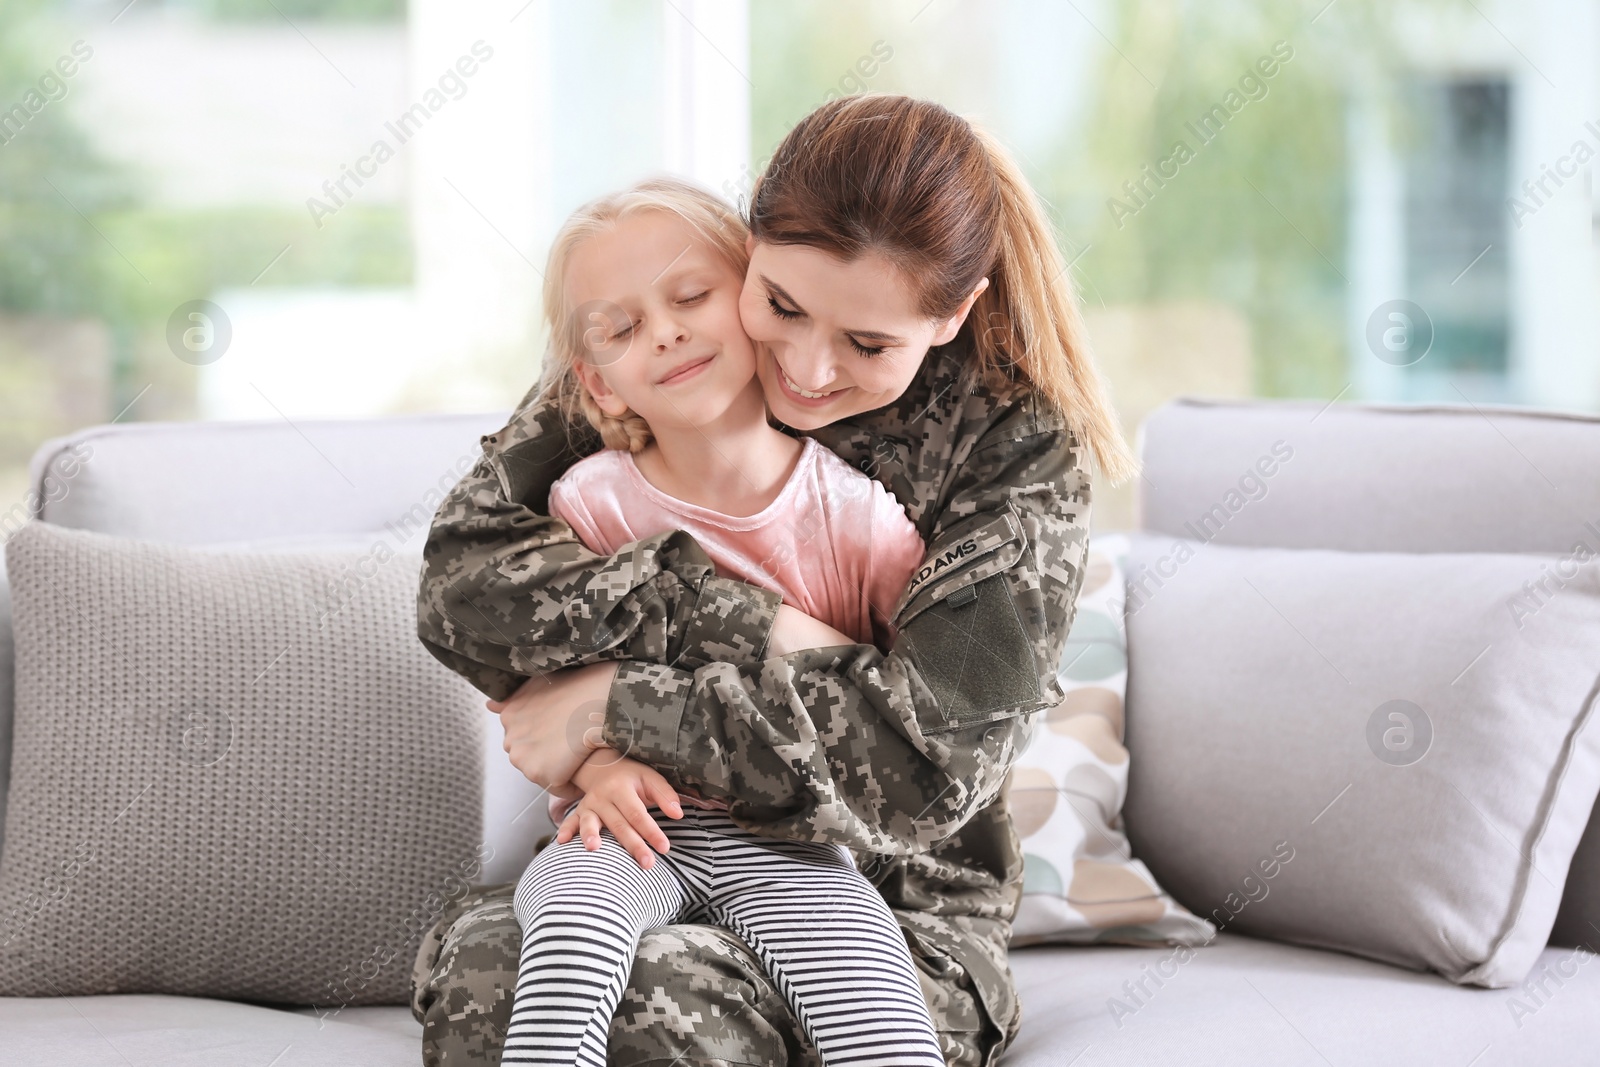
508, 591
893, 753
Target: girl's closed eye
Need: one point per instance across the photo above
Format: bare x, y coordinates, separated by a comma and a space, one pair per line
627, 331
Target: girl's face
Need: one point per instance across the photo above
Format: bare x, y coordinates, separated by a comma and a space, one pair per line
659, 312
835, 338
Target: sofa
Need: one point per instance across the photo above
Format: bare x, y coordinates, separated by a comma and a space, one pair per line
1368, 478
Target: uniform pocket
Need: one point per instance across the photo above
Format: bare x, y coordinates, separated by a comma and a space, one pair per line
959, 626
966, 556
953, 1003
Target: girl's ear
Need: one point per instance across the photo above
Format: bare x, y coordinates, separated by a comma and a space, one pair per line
948, 329
749, 244
604, 397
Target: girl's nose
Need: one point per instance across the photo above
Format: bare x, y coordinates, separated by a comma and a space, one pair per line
669, 332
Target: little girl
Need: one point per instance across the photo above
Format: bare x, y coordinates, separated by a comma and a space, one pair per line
642, 295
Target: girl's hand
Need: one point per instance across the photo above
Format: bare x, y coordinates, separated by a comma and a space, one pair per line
552, 724
616, 793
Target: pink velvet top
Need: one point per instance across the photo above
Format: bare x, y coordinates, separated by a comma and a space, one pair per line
833, 543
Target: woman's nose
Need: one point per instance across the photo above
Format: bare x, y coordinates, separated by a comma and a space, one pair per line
810, 367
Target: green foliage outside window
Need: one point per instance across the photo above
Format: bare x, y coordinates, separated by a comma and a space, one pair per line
1254, 216
308, 10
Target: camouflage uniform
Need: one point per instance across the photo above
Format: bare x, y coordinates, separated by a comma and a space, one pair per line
900, 757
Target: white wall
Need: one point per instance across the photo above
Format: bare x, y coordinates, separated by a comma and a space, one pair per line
257, 114
705, 89
1555, 346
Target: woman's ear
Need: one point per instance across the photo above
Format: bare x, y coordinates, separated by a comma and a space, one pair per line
749, 244
950, 327
605, 398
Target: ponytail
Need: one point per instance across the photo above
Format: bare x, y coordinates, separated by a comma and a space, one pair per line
1027, 321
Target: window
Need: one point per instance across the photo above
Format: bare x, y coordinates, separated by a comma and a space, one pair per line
1457, 257
356, 196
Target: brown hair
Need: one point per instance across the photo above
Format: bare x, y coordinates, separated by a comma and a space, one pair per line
717, 223
944, 202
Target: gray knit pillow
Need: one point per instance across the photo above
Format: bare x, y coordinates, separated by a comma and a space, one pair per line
234, 775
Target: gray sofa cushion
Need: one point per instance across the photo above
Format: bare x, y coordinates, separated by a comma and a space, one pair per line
168, 1031
234, 775
1236, 1002
1241, 1002
1387, 478
1385, 753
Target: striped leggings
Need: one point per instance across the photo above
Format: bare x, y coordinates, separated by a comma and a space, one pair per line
825, 935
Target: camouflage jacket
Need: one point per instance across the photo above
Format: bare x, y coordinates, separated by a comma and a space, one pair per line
901, 756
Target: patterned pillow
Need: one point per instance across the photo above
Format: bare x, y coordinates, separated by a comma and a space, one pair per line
1081, 883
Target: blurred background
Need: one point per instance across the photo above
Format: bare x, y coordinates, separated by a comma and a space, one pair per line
290, 209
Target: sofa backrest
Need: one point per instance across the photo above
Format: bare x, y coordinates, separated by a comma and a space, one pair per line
317, 482
1371, 477
1344, 476
211, 482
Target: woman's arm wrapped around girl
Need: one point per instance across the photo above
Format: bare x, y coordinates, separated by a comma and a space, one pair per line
886, 752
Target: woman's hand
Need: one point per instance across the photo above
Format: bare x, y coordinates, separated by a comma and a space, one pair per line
793, 630
616, 795
552, 724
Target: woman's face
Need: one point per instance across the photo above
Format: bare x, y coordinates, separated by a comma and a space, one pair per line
834, 338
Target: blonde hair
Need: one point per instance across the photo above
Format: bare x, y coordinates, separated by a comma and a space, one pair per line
715, 221
945, 202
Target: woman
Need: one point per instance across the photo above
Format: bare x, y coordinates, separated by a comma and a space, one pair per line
914, 316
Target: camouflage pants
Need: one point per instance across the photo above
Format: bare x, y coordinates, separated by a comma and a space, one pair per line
697, 997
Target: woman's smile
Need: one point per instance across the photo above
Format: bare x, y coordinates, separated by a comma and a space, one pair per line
799, 395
